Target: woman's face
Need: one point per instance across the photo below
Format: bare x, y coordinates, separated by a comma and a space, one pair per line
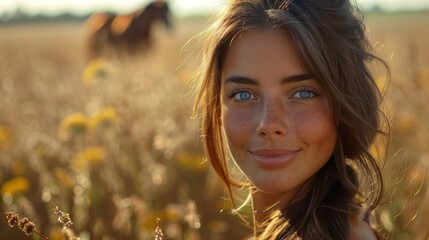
276, 117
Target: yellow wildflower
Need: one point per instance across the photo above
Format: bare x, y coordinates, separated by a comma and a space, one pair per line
191, 161
64, 178
150, 220
5, 136
15, 186
18, 168
73, 125
55, 234
104, 118
96, 69
89, 157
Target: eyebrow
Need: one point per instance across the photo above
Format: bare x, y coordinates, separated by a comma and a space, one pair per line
250, 81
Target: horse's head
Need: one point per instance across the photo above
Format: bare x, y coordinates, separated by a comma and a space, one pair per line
157, 10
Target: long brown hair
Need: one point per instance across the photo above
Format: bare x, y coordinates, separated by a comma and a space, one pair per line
331, 41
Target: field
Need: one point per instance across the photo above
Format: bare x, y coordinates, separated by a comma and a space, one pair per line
113, 143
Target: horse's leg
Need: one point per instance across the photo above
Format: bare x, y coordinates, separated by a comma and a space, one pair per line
94, 26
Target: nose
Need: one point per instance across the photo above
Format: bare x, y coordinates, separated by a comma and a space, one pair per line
273, 119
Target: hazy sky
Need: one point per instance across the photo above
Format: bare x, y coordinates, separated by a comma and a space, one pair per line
180, 7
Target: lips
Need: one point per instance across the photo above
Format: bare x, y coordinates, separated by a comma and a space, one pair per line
273, 157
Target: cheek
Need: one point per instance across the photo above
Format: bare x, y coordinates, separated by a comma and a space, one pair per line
237, 128
315, 127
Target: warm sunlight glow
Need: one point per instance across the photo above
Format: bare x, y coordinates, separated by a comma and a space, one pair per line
180, 7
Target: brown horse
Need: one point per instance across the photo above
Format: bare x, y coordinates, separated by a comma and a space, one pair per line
124, 33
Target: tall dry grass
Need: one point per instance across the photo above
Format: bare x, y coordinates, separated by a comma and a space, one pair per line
112, 142
402, 39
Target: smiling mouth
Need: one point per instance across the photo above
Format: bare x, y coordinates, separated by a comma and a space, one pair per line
272, 158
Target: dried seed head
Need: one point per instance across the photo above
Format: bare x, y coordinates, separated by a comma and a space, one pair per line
12, 219
68, 234
158, 232
26, 226
29, 228
63, 218
56, 210
22, 223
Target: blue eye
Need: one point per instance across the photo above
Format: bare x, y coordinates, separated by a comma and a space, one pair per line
304, 94
243, 95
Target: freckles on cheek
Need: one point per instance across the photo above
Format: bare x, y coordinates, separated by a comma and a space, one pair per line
314, 126
236, 129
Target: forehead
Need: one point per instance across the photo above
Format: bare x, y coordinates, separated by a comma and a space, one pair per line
259, 35
261, 52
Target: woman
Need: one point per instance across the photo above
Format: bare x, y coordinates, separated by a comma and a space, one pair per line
286, 93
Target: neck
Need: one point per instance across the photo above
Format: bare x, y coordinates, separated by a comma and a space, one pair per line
264, 204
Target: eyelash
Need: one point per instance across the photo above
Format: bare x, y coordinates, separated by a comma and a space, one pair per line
232, 94
306, 89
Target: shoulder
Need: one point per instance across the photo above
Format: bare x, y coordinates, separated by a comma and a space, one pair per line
360, 229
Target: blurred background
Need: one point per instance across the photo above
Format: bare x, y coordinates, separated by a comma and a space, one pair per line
104, 131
